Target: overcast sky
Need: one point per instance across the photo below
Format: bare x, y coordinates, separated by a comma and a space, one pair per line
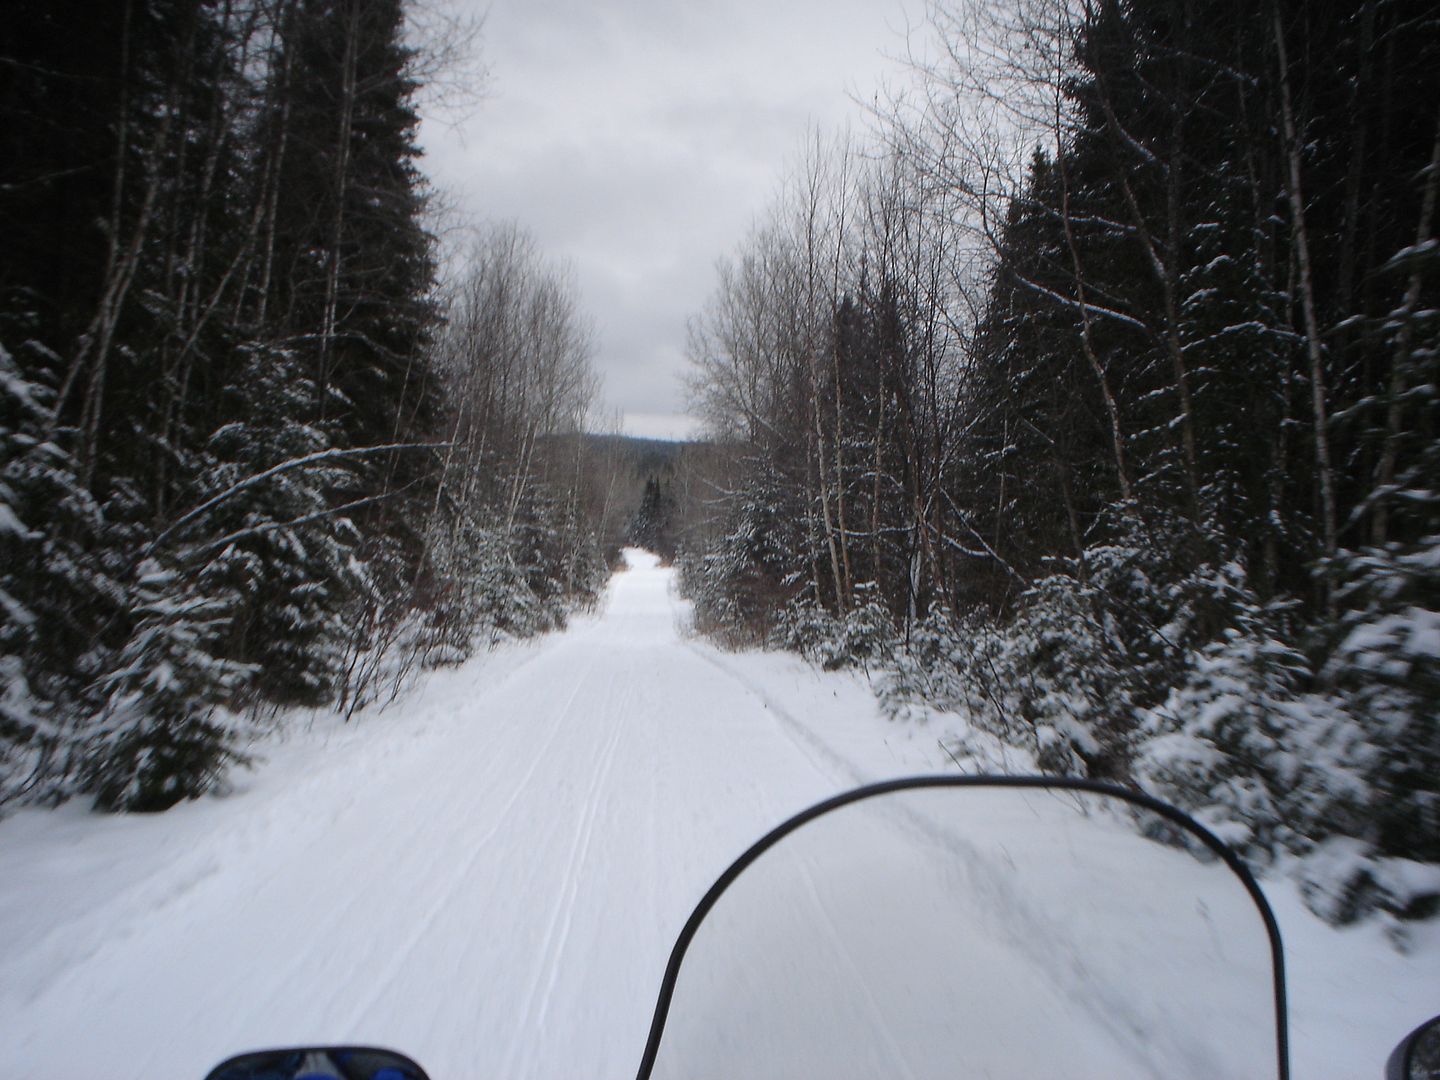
638, 140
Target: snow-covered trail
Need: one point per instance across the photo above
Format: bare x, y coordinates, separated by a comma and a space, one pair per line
490, 874
491, 881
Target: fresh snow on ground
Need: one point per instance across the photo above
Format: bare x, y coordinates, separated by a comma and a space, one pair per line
489, 875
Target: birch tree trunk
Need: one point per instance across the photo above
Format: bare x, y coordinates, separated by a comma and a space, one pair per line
1313, 349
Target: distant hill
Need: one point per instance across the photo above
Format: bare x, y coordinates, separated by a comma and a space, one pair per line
650, 456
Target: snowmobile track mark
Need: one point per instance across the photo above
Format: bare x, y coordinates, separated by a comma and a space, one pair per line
542, 980
422, 925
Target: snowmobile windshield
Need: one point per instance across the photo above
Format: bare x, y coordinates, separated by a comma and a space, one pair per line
959, 927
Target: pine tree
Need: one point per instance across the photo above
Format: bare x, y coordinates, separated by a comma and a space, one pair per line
653, 526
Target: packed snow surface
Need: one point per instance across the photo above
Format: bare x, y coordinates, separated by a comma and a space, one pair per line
489, 875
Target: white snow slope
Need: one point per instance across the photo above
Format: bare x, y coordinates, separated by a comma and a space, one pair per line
489, 874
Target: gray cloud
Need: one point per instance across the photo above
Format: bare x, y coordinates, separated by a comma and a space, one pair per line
639, 139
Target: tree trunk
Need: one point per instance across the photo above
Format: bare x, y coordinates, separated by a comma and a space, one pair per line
1313, 349
1112, 411
341, 181
1400, 361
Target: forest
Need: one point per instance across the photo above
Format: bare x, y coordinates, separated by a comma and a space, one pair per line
1091, 394
256, 450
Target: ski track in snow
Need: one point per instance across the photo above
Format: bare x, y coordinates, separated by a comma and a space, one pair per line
490, 873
